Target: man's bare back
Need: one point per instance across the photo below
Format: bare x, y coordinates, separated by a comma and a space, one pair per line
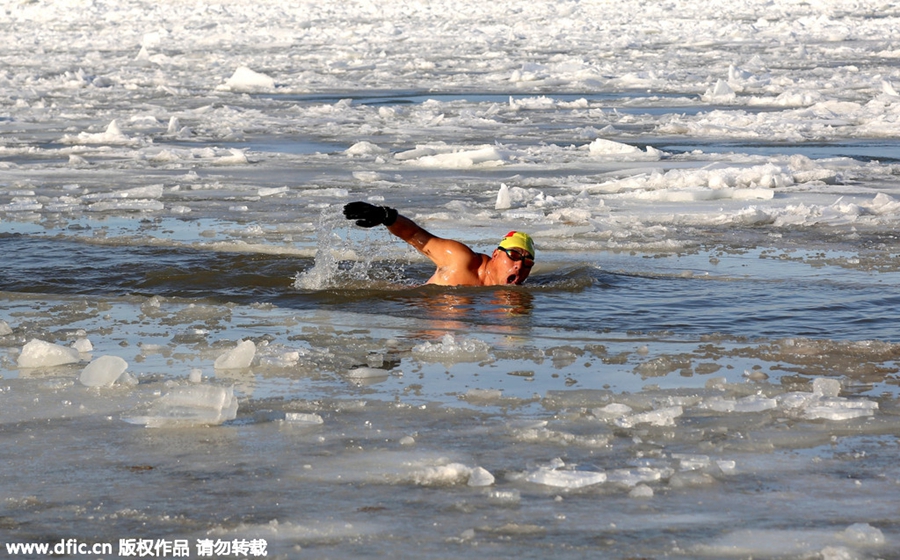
457, 264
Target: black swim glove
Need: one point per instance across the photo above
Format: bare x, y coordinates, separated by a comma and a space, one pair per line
368, 215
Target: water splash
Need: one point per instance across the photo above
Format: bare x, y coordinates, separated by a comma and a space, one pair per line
355, 261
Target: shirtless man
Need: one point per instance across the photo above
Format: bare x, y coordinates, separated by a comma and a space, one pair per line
457, 264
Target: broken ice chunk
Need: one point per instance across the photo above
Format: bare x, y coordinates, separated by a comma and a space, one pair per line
483, 396
612, 411
237, 358
442, 475
796, 400
862, 534
480, 477
565, 479
363, 373
301, 418
825, 404
641, 491
103, 372
552, 475
634, 476
750, 403
83, 345
688, 462
660, 417
190, 406
840, 409
452, 350
824, 387
38, 353
504, 201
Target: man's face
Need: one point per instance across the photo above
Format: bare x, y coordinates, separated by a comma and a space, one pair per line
513, 265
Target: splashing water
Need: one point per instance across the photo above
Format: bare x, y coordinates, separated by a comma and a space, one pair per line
347, 262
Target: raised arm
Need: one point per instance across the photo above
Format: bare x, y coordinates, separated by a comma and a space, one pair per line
442, 252
456, 263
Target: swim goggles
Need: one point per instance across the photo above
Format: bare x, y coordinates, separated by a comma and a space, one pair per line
515, 256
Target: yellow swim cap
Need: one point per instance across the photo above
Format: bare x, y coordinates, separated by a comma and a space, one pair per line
518, 240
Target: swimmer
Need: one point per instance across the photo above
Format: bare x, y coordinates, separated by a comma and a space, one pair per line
457, 264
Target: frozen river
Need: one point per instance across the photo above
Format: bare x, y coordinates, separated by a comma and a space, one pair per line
200, 355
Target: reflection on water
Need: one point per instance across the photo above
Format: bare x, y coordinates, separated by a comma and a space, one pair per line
461, 310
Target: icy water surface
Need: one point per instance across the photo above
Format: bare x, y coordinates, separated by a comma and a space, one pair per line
201, 358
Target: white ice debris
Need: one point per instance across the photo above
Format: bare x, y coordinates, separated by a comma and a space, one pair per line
5, 329
750, 403
448, 158
691, 462
638, 475
504, 202
566, 479
365, 372
796, 543
602, 146
150, 191
83, 345
365, 149
726, 466
103, 371
480, 477
38, 353
303, 418
77, 161
134, 199
840, 409
862, 534
271, 191
660, 417
451, 350
823, 403
112, 135
825, 387
641, 491
557, 476
612, 411
610, 149
235, 156
189, 406
721, 92
442, 475
245, 80
691, 185
174, 126
239, 357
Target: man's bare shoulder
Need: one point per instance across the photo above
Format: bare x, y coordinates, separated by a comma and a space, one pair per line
468, 271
